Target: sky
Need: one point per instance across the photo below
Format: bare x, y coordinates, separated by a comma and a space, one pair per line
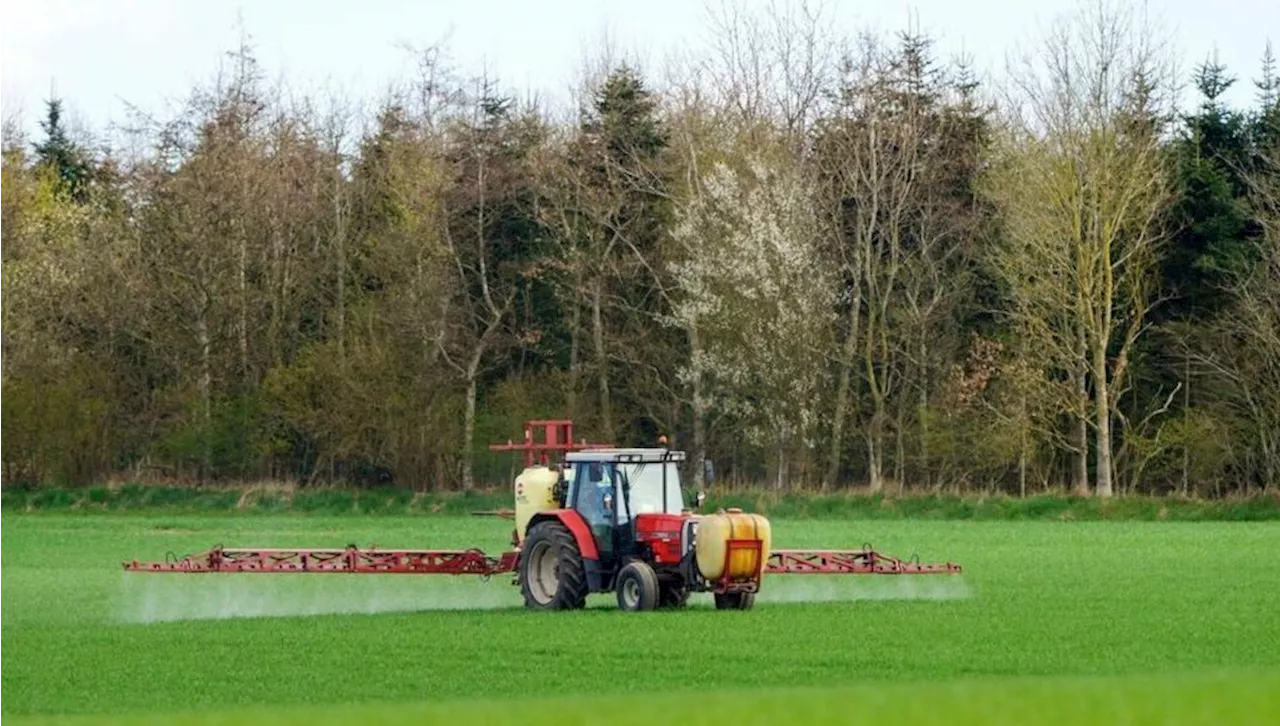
102, 56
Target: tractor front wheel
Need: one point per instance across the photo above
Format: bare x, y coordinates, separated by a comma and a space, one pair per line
735, 600
552, 576
637, 586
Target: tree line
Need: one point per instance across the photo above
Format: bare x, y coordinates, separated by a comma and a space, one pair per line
818, 261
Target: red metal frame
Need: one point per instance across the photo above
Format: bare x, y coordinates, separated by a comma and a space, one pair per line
749, 584
349, 560
353, 560
850, 562
557, 436
573, 520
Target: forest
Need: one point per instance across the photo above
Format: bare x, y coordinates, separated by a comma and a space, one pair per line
818, 262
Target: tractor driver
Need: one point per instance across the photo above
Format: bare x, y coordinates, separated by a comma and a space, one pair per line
601, 485
597, 491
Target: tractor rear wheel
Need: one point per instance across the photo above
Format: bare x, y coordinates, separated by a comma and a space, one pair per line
637, 586
735, 600
552, 576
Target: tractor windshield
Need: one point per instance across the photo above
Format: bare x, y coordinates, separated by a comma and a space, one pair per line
648, 495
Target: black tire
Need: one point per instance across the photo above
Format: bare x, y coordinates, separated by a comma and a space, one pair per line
672, 595
567, 575
735, 600
637, 587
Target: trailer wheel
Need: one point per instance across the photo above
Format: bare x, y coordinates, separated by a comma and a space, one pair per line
673, 595
552, 576
735, 600
637, 587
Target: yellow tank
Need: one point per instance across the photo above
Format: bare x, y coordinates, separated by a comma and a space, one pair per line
535, 492
714, 532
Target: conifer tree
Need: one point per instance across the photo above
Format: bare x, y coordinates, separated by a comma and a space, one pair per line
62, 154
1210, 222
1266, 124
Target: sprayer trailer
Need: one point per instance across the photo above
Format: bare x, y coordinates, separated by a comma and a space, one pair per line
602, 519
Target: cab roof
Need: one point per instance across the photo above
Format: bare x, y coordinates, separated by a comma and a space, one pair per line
625, 455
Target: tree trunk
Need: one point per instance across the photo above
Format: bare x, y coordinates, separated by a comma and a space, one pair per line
279, 294
1186, 410
1270, 453
842, 391
340, 272
1080, 443
243, 280
699, 414
574, 336
923, 414
1102, 404
526, 291
602, 363
782, 464
875, 436
875, 448
837, 426
204, 388
5, 341
1080, 433
900, 446
469, 421
1022, 446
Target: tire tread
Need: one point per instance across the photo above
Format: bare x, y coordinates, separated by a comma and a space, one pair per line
571, 586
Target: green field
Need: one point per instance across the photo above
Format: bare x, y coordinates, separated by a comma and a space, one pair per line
1053, 622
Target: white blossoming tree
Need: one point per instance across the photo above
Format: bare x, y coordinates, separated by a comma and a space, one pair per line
755, 301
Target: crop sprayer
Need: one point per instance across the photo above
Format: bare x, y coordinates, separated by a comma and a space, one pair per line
602, 519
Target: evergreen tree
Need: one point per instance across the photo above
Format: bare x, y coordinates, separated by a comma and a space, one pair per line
624, 118
1266, 123
1269, 84
62, 154
1212, 225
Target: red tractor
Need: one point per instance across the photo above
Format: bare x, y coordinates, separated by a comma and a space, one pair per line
615, 520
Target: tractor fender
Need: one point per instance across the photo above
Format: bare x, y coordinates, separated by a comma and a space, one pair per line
575, 524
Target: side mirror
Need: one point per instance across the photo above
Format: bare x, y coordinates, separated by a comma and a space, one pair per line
700, 500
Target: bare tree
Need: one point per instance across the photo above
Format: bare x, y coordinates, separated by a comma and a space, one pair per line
488, 152
1084, 187
871, 157
770, 67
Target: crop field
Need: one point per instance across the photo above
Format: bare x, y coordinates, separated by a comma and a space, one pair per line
1053, 622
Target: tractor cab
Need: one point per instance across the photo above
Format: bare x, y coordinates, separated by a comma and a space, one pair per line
648, 478
618, 492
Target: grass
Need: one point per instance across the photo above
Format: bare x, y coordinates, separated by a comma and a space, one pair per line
1220, 698
275, 499
1079, 622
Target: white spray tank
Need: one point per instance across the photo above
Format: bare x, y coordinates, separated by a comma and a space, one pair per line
534, 493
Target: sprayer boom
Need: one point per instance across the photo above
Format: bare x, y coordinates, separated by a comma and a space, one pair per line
851, 562
349, 560
353, 560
